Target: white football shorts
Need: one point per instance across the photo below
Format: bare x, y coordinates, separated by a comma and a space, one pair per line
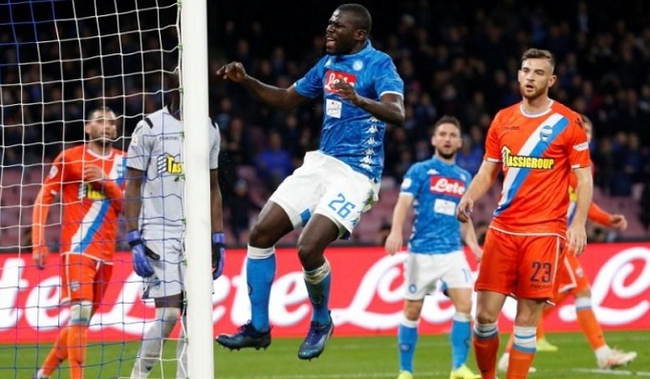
327, 186
169, 271
422, 272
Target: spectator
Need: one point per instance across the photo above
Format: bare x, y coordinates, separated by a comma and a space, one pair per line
274, 163
241, 205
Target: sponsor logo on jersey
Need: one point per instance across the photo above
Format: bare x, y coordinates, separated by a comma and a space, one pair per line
447, 186
581, 146
86, 191
332, 77
524, 161
169, 164
53, 171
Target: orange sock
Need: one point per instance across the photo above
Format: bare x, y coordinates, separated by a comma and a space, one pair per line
519, 364
540, 327
77, 337
486, 347
522, 353
58, 353
589, 324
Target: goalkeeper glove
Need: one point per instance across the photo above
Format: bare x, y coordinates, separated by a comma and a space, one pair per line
141, 255
218, 254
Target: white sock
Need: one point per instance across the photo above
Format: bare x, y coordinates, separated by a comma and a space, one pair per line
153, 340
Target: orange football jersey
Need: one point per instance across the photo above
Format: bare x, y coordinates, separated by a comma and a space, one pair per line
90, 211
537, 154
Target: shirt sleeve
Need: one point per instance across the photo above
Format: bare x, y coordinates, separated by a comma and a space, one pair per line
387, 80
54, 179
577, 145
139, 152
311, 85
215, 145
411, 183
598, 215
492, 145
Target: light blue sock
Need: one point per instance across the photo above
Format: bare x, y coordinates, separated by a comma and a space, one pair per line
460, 336
259, 276
318, 284
407, 338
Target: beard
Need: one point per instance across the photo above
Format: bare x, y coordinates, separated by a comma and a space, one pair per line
538, 92
451, 155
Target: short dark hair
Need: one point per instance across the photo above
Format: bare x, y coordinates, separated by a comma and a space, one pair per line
534, 53
102, 108
360, 13
446, 119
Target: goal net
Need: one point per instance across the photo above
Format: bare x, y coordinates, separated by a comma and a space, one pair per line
60, 61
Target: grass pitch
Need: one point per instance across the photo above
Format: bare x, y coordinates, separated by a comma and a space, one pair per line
368, 357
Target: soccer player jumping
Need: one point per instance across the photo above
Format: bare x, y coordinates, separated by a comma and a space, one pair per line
537, 143
336, 184
89, 179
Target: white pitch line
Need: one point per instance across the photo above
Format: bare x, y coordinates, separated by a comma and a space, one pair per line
361, 375
611, 372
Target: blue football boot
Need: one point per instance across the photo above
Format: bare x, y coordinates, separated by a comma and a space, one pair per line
246, 336
314, 344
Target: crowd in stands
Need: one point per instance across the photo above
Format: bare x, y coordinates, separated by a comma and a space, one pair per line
463, 61
457, 59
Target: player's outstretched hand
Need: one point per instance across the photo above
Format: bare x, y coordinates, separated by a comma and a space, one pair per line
618, 221
576, 236
39, 255
393, 243
465, 208
141, 255
234, 71
218, 254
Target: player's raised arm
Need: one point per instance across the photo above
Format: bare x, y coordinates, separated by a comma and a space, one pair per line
390, 108
283, 98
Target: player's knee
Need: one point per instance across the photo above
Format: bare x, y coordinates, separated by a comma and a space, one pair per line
463, 306
309, 253
80, 312
411, 313
485, 316
262, 236
584, 292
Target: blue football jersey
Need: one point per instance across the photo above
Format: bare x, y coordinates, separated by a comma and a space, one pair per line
436, 188
350, 133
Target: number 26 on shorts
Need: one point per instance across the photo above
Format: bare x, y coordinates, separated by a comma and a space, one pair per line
341, 206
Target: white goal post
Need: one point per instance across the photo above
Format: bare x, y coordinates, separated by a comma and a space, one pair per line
194, 69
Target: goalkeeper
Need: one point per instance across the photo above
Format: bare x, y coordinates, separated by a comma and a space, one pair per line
154, 220
89, 179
